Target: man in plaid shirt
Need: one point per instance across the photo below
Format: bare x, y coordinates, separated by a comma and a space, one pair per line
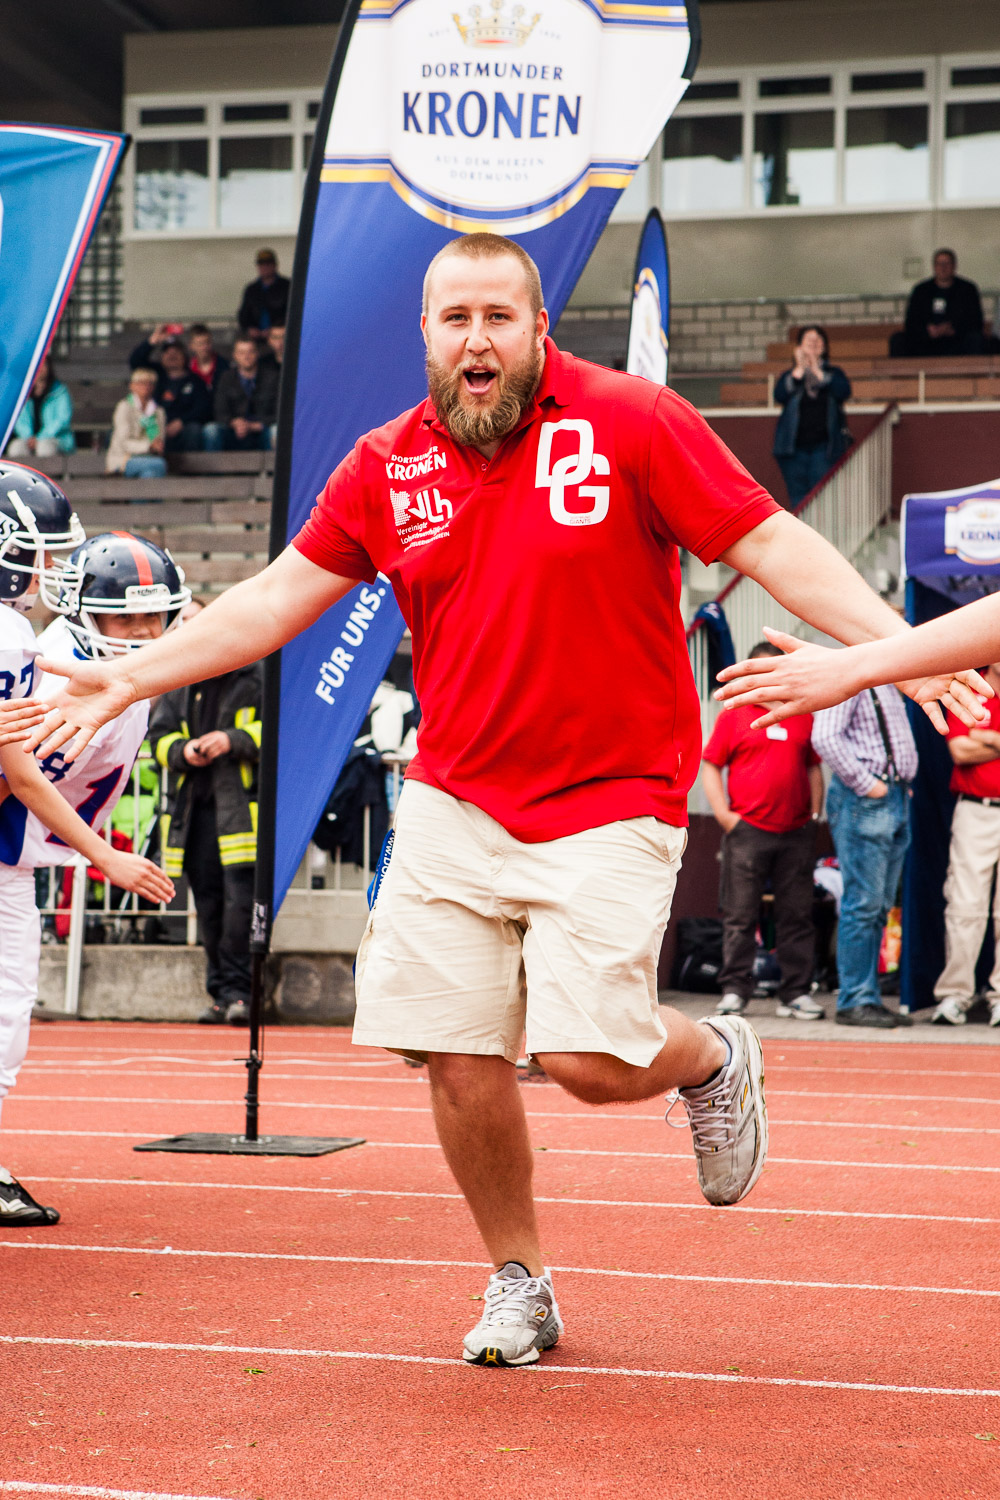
869, 747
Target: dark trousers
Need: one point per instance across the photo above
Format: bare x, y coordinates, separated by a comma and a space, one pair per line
223, 895
751, 858
803, 470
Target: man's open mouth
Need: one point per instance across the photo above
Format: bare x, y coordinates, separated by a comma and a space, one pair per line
478, 379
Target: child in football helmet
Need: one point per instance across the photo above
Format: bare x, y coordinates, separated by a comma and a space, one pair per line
118, 591
36, 524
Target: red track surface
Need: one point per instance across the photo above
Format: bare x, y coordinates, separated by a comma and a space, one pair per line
835, 1338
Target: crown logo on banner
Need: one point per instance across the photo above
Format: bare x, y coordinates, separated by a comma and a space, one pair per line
496, 30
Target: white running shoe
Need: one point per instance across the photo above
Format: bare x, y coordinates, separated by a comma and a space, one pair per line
731, 1005
950, 1009
995, 1013
803, 1007
728, 1116
520, 1318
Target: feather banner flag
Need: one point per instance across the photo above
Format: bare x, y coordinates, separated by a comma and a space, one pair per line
53, 183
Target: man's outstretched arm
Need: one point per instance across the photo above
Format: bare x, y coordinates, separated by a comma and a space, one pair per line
801, 570
248, 622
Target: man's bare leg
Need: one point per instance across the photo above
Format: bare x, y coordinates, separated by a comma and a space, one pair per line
484, 1135
688, 1058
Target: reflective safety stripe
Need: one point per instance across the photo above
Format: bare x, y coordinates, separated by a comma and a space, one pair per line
238, 848
163, 746
173, 860
247, 720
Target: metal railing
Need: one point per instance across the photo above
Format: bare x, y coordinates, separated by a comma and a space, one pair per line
119, 911
847, 507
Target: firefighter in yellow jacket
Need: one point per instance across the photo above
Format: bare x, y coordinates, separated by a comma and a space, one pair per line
208, 737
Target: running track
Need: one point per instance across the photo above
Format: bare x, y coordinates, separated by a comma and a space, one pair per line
229, 1328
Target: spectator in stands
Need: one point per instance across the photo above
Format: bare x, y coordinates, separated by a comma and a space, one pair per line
206, 363
138, 431
944, 315
812, 432
185, 399
246, 402
768, 811
868, 744
147, 353
208, 737
44, 425
274, 353
265, 301
972, 864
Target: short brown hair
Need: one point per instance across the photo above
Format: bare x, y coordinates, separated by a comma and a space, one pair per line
491, 247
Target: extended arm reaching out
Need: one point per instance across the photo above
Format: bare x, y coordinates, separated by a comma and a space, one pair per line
801, 570
248, 622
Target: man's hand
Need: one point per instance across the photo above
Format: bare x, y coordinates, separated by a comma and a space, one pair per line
809, 678
95, 693
214, 744
18, 717
728, 821
878, 791
240, 427
134, 873
174, 427
193, 754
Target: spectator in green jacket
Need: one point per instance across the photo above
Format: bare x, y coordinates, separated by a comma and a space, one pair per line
44, 426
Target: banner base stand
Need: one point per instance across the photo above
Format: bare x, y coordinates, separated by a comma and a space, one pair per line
265, 1145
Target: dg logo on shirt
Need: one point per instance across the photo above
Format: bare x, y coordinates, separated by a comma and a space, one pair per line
572, 469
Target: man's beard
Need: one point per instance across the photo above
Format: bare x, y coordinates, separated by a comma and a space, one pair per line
510, 394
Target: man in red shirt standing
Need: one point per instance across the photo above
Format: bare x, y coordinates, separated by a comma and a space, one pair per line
768, 815
973, 861
528, 518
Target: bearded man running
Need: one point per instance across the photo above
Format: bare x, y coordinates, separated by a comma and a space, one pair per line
541, 828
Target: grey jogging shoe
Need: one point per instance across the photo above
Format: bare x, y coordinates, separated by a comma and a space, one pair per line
520, 1318
728, 1116
950, 1009
731, 1004
803, 1008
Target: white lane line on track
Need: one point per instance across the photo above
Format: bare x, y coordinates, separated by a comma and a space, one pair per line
352, 1192
532, 1114
270, 1351
42, 1064
29, 1487
477, 1265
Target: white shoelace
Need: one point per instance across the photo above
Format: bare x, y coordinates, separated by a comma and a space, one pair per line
506, 1299
709, 1124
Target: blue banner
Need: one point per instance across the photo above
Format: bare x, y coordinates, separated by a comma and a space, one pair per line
53, 183
649, 327
952, 533
434, 123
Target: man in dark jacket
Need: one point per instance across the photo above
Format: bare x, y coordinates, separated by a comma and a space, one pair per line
265, 301
944, 314
185, 399
208, 737
246, 402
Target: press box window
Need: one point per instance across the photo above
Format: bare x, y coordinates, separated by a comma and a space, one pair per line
173, 115
886, 83
794, 162
703, 163
706, 92
171, 185
972, 150
793, 88
250, 114
256, 182
887, 155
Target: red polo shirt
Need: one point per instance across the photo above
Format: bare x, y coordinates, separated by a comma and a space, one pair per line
542, 590
982, 780
768, 768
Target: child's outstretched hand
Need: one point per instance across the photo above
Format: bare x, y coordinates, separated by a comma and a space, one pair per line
18, 717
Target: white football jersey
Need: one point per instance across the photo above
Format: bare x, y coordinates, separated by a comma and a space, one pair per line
91, 785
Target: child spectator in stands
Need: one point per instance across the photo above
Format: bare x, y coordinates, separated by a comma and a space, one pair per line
205, 362
811, 433
768, 815
186, 400
265, 301
138, 431
44, 426
944, 315
246, 402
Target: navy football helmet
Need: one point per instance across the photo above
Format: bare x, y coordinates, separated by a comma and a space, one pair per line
118, 573
36, 524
